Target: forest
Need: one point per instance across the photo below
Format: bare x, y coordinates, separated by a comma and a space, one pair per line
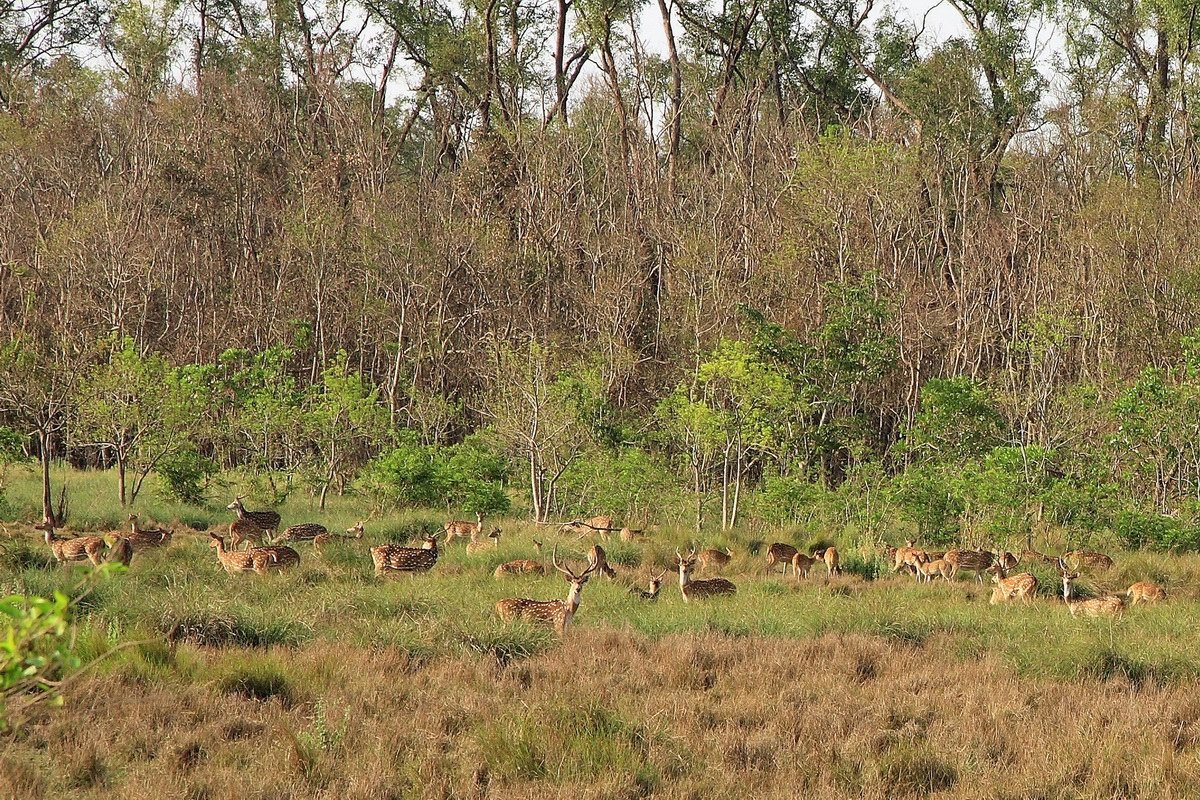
754, 262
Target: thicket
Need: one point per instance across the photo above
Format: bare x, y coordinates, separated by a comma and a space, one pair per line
807, 267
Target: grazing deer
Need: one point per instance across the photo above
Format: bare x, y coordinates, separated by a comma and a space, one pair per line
1034, 555
120, 551
1109, 606
632, 534
929, 568
713, 559
602, 525
398, 558
779, 553
832, 559
905, 559
802, 563
976, 561
461, 529
81, 548
1023, 586
322, 539
522, 566
554, 613
698, 590
305, 531
245, 530
267, 520
598, 559
142, 538
259, 560
490, 542
1145, 592
655, 585
1080, 560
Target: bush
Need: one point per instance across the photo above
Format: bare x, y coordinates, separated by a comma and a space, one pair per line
186, 474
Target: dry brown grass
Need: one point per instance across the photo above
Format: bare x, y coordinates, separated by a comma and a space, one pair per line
607, 714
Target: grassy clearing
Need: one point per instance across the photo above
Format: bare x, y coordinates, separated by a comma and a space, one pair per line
329, 682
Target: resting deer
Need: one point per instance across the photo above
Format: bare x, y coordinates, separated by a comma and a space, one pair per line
142, 538
779, 553
80, 548
1034, 555
305, 531
522, 566
1018, 587
698, 590
976, 561
491, 542
322, 539
655, 585
554, 613
1109, 606
461, 529
602, 525
398, 558
120, 551
631, 534
1080, 560
259, 560
598, 559
1145, 592
246, 530
713, 559
268, 521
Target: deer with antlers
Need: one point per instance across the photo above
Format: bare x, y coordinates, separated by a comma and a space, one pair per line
553, 613
1108, 606
655, 586
698, 590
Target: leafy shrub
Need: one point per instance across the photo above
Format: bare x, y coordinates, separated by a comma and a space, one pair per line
467, 475
186, 474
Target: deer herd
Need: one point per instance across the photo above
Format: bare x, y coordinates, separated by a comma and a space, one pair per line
266, 553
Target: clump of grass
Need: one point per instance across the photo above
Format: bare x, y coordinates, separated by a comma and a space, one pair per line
261, 680
915, 770
505, 643
215, 629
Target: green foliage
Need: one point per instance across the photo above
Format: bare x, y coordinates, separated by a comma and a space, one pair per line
958, 420
35, 650
185, 474
468, 476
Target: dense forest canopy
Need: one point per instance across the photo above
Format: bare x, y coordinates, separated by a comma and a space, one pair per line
807, 265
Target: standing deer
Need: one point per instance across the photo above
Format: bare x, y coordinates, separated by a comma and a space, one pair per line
712, 559
461, 529
833, 561
598, 560
80, 548
1080, 560
246, 530
1145, 592
905, 558
976, 561
268, 521
802, 563
779, 553
553, 613
698, 590
929, 568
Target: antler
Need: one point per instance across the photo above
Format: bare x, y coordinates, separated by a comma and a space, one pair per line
554, 561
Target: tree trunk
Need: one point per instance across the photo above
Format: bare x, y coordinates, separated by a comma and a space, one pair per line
121, 477
47, 502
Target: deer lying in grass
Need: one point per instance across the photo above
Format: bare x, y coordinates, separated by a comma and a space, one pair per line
779, 553
632, 534
698, 590
1080, 560
268, 521
1145, 592
655, 586
489, 542
396, 558
1108, 606
1018, 587
304, 532
80, 548
713, 559
553, 613
1034, 555
142, 538
522, 566
259, 560
460, 529
322, 539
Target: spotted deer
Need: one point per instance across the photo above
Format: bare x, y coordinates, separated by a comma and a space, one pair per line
905, 558
655, 586
142, 538
1007, 561
832, 559
779, 553
461, 529
976, 561
490, 542
321, 539
712, 559
802, 563
396, 558
602, 525
120, 551
268, 521
598, 559
1108, 606
929, 568
557, 614
304, 532
245, 530
1081, 560
631, 534
698, 590
521, 566
1017, 587
1034, 555
259, 560
1145, 592
80, 548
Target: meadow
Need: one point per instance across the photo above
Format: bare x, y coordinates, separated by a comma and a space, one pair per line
328, 682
